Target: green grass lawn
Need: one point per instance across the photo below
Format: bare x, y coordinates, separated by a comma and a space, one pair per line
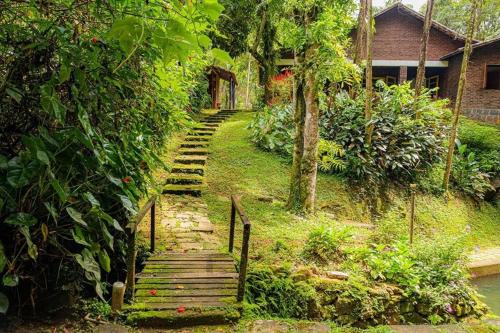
236, 166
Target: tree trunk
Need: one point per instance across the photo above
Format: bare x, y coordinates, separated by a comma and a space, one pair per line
298, 145
419, 81
471, 28
302, 195
359, 47
369, 74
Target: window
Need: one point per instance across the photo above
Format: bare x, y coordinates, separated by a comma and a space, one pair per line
432, 82
492, 77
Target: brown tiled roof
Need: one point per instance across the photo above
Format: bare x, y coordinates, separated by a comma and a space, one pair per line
436, 25
474, 46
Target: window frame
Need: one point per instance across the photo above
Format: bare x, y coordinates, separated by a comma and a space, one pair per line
485, 78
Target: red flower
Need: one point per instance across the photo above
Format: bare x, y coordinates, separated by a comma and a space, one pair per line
127, 179
94, 40
153, 292
181, 309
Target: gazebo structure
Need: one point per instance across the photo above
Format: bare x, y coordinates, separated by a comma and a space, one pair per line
215, 74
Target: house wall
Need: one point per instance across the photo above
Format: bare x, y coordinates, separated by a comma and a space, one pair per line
398, 35
478, 103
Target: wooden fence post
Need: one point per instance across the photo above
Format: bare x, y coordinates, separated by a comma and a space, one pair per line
244, 262
413, 188
117, 296
131, 257
232, 225
153, 227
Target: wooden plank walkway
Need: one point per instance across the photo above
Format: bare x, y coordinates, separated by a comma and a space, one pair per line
187, 277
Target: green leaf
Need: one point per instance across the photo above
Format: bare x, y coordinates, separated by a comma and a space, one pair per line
211, 8
4, 303
78, 236
10, 280
21, 219
222, 56
107, 236
51, 209
64, 73
32, 248
76, 216
3, 162
18, 177
43, 157
127, 204
87, 262
14, 94
3, 258
91, 199
104, 260
117, 225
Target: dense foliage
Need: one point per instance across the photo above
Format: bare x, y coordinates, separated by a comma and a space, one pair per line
385, 284
90, 93
401, 148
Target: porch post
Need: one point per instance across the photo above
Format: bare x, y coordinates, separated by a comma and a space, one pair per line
403, 74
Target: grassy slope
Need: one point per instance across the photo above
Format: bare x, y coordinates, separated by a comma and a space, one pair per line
236, 166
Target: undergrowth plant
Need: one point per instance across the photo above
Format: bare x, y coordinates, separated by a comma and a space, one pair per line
90, 92
323, 245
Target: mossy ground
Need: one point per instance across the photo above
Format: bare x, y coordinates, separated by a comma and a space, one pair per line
236, 166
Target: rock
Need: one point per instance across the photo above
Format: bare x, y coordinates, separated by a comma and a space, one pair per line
110, 328
303, 273
268, 326
337, 275
344, 306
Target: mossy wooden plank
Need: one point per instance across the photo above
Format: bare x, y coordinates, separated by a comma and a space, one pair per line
189, 270
187, 292
200, 275
185, 300
186, 286
194, 264
160, 280
191, 257
189, 318
196, 138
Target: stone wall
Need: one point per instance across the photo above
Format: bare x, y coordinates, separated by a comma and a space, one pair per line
491, 116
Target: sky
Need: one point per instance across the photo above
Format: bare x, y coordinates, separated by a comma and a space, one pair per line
415, 3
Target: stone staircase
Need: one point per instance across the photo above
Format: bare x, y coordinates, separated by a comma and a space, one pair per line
189, 166
187, 281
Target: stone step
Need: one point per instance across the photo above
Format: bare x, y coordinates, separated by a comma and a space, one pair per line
193, 151
215, 313
188, 168
194, 144
188, 292
201, 133
184, 178
191, 159
183, 189
211, 125
196, 138
205, 128
211, 121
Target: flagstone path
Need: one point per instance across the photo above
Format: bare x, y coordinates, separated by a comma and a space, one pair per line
188, 280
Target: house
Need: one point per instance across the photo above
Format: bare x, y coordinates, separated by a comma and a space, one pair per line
396, 50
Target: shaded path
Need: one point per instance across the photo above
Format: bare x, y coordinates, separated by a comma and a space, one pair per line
187, 280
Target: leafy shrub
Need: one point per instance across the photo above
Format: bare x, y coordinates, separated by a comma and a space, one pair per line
467, 176
272, 129
274, 293
323, 244
432, 275
401, 148
484, 141
330, 156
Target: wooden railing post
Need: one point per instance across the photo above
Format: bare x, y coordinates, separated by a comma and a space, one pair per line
153, 227
232, 225
243, 262
131, 257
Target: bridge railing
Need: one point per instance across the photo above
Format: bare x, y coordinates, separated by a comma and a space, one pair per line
237, 209
131, 231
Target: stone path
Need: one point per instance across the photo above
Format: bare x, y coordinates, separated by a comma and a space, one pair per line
485, 262
188, 280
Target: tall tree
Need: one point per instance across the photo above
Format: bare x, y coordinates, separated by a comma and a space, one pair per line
369, 72
360, 46
419, 81
316, 30
471, 28
263, 48
451, 13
